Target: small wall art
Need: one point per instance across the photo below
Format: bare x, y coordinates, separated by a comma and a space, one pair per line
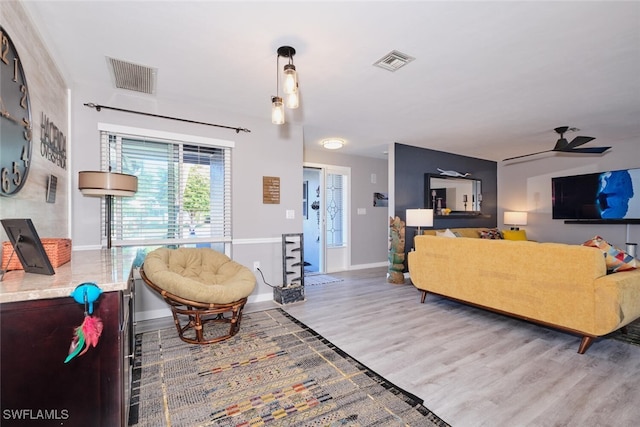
380, 199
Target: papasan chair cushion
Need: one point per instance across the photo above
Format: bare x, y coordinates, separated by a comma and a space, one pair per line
199, 274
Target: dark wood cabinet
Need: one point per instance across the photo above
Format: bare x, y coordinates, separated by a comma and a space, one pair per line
38, 388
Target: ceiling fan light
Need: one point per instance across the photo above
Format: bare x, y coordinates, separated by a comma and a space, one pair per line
277, 110
333, 143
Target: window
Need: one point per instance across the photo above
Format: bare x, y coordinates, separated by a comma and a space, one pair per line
335, 211
184, 189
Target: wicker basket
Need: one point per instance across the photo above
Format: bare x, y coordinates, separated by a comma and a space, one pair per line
58, 250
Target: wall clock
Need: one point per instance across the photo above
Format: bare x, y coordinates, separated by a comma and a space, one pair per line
15, 119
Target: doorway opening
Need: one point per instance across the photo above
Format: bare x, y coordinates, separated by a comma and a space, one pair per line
325, 218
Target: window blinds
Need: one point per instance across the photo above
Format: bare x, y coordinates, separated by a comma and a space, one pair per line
184, 190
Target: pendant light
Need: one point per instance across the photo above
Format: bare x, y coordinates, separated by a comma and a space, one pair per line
277, 110
290, 86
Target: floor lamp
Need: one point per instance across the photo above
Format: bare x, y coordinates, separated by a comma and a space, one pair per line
107, 184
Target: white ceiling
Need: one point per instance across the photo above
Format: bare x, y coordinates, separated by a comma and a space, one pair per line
490, 79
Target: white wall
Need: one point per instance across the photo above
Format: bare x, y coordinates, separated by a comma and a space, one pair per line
48, 95
369, 232
268, 150
526, 186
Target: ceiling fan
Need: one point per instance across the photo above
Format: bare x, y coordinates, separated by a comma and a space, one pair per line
563, 146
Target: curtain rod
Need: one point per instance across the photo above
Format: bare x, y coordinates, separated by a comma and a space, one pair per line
99, 107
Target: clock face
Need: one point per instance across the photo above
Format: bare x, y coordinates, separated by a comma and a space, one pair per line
15, 120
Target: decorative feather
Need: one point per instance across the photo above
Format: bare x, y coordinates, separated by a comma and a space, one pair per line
84, 336
92, 329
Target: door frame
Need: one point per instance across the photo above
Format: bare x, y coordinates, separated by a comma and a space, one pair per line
333, 262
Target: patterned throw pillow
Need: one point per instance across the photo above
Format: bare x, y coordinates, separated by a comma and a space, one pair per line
491, 233
446, 233
616, 259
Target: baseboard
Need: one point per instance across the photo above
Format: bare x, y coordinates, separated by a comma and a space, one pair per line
153, 324
372, 265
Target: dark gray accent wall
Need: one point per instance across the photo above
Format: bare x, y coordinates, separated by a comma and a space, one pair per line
411, 163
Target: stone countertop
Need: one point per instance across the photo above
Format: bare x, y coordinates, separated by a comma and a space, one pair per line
108, 268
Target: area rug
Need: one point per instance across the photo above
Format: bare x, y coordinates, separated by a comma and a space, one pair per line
275, 372
632, 336
320, 279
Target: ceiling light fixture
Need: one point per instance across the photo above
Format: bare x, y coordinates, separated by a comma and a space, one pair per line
290, 86
332, 143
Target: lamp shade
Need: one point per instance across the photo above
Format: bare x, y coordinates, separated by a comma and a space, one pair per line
107, 183
293, 101
290, 79
277, 111
515, 218
419, 217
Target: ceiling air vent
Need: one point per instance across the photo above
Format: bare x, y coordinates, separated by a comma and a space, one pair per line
127, 75
393, 61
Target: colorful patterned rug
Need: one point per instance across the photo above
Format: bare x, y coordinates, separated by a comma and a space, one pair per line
275, 372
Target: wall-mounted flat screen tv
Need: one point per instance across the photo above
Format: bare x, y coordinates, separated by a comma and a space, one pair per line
611, 195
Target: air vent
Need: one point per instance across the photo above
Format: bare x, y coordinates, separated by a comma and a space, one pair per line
127, 75
393, 61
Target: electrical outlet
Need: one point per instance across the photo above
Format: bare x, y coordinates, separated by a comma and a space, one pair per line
256, 265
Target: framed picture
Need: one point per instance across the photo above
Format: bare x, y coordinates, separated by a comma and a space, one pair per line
380, 199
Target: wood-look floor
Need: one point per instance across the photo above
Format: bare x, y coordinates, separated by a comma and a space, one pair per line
473, 367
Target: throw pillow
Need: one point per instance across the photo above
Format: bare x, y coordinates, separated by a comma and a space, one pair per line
446, 233
616, 259
514, 234
491, 233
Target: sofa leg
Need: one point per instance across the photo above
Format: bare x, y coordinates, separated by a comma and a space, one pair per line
584, 344
423, 297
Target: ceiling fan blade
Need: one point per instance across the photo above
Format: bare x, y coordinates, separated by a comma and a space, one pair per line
578, 141
561, 144
588, 150
527, 155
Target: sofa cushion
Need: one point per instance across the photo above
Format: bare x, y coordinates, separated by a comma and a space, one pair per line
514, 234
616, 259
490, 233
471, 232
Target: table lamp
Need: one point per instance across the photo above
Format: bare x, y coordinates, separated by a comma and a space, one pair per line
514, 219
419, 218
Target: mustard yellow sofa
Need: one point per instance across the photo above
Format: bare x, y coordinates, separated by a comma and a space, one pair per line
559, 285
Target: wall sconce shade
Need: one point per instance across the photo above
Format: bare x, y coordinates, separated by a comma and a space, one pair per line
108, 184
419, 218
514, 219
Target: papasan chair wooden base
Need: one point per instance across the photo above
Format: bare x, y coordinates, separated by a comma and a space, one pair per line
199, 272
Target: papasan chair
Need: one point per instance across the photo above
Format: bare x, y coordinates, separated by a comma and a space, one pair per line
201, 286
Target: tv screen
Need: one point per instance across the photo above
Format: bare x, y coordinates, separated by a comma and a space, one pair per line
611, 195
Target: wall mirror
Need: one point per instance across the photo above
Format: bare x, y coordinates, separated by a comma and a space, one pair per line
449, 195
